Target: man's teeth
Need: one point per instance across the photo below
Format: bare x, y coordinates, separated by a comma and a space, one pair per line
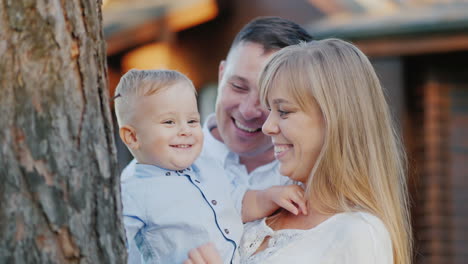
247, 129
279, 149
182, 146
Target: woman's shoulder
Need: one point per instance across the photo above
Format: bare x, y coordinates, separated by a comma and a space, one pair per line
363, 221
363, 236
351, 225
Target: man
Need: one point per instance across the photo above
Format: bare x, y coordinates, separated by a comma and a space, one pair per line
233, 138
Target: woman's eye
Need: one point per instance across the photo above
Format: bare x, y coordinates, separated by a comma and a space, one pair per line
283, 113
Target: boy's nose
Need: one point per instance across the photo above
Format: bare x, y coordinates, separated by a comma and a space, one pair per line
185, 130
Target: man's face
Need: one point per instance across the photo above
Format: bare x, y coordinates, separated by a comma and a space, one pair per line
238, 111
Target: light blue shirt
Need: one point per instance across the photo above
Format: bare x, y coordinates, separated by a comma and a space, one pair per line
167, 213
235, 173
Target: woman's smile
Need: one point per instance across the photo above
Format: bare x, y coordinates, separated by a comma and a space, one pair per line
281, 150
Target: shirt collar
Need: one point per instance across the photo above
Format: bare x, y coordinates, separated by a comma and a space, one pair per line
148, 170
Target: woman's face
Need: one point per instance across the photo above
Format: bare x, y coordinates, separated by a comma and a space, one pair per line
297, 133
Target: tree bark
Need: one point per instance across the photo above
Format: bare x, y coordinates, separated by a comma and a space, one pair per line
59, 191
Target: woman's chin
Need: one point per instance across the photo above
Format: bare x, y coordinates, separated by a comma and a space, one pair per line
285, 171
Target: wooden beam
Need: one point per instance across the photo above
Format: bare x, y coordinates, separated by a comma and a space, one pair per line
328, 7
133, 37
413, 46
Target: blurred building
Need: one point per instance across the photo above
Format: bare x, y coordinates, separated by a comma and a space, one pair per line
418, 47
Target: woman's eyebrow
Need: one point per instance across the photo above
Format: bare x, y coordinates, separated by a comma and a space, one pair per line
280, 101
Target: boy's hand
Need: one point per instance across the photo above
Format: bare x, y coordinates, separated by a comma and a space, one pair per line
204, 254
289, 197
257, 204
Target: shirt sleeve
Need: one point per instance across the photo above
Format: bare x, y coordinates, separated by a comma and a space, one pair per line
128, 171
237, 193
236, 190
133, 219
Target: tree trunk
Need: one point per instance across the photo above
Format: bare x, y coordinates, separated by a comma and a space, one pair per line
59, 191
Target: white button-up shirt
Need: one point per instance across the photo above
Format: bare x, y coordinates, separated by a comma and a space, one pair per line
167, 213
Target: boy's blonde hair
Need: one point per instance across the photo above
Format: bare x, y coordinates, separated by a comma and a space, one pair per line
362, 164
136, 83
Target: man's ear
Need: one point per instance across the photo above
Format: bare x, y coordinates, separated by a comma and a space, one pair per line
128, 136
221, 67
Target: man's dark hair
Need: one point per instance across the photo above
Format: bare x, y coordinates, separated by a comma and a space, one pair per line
272, 33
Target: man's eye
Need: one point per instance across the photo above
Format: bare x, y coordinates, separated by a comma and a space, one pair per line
239, 87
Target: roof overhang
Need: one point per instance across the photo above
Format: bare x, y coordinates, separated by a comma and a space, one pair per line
434, 28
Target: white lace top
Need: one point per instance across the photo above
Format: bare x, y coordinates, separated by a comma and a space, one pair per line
345, 238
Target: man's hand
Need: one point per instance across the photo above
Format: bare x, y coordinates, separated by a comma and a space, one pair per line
204, 254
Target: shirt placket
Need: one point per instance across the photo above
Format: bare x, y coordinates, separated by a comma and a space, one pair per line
214, 204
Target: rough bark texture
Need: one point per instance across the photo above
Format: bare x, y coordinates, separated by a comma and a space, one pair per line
59, 191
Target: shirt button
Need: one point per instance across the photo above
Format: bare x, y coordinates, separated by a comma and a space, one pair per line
168, 174
214, 202
226, 231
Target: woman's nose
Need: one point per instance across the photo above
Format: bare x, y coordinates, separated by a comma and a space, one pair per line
270, 127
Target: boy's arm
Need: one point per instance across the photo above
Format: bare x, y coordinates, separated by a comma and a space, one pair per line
132, 224
257, 204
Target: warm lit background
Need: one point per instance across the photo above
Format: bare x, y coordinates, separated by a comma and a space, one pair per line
418, 47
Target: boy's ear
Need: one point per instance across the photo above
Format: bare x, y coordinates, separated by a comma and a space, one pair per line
128, 136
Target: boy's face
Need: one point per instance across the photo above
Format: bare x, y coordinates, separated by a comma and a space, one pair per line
168, 128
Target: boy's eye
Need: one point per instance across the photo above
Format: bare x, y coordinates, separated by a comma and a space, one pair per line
193, 121
169, 122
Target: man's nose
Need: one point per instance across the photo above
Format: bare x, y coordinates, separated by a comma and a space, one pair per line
250, 107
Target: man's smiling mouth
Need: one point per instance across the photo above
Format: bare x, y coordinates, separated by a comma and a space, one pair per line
245, 128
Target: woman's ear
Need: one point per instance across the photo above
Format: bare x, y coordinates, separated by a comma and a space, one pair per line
128, 136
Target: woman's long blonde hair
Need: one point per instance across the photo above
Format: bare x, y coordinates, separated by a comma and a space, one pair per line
362, 165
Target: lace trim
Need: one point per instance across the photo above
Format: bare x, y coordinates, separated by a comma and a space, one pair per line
254, 236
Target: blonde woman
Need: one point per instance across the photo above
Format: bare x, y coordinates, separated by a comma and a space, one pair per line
332, 132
